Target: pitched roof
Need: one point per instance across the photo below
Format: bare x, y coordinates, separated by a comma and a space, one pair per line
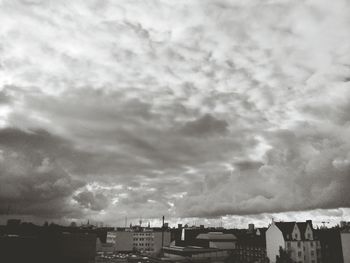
302, 227
286, 229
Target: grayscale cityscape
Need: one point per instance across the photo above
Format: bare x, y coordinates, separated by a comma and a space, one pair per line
174, 131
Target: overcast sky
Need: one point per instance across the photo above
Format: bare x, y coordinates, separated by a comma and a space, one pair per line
196, 110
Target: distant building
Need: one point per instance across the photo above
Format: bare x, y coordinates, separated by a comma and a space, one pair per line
195, 254
251, 246
208, 247
297, 238
109, 245
145, 240
218, 240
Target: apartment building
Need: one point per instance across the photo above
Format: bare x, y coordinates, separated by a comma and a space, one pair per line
297, 238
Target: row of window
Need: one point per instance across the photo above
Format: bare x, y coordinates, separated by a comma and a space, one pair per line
142, 234
143, 239
251, 248
289, 244
143, 244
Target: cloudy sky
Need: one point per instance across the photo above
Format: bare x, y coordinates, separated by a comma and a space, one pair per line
199, 110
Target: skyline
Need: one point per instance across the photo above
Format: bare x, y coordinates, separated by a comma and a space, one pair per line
189, 109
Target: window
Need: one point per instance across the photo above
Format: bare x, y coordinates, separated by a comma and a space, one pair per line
308, 236
312, 253
289, 245
311, 244
299, 244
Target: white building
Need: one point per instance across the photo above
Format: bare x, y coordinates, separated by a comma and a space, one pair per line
297, 238
145, 240
345, 242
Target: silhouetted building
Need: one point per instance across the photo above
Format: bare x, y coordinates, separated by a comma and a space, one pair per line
251, 247
331, 246
345, 241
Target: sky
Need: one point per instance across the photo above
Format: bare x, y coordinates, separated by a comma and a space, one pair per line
212, 112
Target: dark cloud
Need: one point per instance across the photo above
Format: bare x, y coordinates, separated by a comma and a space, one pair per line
247, 165
33, 181
90, 200
129, 107
205, 126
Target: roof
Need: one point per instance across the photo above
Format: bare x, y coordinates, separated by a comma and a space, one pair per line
286, 228
218, 236
189, 249
302, 227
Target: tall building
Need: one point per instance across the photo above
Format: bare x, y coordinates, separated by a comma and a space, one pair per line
296, 238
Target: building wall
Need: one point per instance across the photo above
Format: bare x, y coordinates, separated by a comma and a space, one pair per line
124, 241
345, 241
223, 245
143, 241
303, 251
158, 241
296, 233
308, 233
274, 240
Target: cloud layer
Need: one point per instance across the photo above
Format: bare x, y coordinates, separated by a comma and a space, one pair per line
187, 108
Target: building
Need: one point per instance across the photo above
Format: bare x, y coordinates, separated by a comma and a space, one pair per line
331, 245
251, 246
345, 241
144, 240
218, 240
195, 254
206, 247
109, 245
296, 238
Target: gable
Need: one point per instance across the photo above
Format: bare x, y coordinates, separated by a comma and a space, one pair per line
296, 233
309, 233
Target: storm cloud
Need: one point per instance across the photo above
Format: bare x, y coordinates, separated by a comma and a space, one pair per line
185, 108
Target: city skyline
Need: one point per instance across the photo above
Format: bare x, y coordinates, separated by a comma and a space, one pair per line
206, 111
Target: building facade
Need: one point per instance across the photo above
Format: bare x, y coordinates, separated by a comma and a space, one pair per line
345, 241
144, 240
296, 238
251, 246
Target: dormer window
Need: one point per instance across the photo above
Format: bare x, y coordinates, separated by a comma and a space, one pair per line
296, 236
